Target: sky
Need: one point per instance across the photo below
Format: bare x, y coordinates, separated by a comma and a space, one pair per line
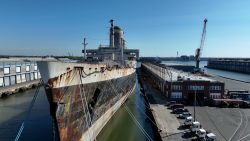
156, 27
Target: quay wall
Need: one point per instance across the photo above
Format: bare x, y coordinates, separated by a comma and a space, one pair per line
242, 66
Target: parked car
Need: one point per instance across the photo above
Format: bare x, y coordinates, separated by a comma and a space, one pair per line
179, 110
188, 121
176, 106
211, 137
195, 127
169, 103
184, 115
201, 134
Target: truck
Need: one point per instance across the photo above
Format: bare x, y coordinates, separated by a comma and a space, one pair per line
188, 121
201, 134
195, 126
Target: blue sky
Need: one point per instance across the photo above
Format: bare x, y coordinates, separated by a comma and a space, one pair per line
156, 27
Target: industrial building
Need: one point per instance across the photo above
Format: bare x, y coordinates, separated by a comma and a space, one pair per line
12, 73
116, 50
182, 86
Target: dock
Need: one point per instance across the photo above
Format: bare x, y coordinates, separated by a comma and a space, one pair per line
166, 122
8, 90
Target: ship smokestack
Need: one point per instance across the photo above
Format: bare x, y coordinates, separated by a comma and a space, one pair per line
111, 44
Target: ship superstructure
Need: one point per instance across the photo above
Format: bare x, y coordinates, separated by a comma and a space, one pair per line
116, 50
83, 96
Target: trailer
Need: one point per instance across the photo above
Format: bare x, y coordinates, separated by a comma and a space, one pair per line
225, 103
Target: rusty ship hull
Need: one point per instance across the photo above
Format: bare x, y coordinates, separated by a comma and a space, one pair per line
83, 97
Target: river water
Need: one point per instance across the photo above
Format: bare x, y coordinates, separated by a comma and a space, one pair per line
121, 127
13, 110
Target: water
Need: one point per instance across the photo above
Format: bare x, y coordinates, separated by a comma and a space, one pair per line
121, 127
39, 126
228, 74
13, 110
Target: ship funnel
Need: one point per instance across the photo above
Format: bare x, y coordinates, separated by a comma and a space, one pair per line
111, 36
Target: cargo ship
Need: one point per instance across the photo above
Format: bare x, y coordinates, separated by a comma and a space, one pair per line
84, 95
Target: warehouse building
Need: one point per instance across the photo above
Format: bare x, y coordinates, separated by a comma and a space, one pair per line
12, 73
183, 86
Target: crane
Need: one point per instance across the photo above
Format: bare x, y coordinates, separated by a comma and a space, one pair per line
199, 50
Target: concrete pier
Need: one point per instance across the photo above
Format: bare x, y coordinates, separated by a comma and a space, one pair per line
8, 90
167, 124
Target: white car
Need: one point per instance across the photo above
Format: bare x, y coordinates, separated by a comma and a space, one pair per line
210, 137
184, 115
188, 121
195, 126
201, 133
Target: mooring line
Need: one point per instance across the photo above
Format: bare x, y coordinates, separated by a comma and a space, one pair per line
19, 133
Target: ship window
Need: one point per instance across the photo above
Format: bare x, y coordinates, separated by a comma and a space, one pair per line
89, 68
95, 69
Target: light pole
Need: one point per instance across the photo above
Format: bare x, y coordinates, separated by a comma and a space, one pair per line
194, 101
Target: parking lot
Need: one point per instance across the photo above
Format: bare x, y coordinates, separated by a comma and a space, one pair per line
229, 124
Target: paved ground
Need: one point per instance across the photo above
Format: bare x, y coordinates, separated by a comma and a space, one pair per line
232, 84
166, 122
229, 124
